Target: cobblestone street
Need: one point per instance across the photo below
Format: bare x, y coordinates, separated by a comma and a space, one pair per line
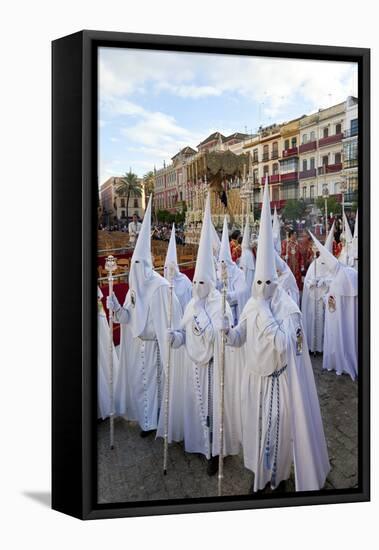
132, 471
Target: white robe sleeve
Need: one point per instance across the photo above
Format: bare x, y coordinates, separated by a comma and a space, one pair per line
236, 337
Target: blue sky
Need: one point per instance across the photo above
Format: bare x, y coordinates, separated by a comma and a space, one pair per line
151, 104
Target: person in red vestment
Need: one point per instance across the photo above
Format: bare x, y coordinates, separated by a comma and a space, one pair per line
291, 253
337, 244
235, 247
306, 249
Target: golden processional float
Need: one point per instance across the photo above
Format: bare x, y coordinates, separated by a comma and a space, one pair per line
229, 179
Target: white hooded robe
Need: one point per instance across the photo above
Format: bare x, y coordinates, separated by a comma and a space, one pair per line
271, 344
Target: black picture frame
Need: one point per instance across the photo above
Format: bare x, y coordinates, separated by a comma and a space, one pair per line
74, 332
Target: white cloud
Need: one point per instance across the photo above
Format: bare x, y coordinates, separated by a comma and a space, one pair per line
275, 83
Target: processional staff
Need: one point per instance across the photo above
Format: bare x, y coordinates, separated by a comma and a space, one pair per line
316, 303
171, 274
111, 266
224, 279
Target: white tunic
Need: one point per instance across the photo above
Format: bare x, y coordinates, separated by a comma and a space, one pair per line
202, 338
103, 374
316, 286
141, 382
278, 378
341, 323
237, 289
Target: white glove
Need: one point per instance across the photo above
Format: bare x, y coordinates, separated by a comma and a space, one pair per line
112, 303
170, 336
219, 284
225, 325
321, 283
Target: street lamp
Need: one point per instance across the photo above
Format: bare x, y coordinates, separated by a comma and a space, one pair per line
325, 195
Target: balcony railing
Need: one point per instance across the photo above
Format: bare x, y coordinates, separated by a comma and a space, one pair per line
255, 159
291, 176
306, 147
330, 140
271, 179
290, 152
265, 157
352, 163
329, 168
311, 173
274, 155
350, 133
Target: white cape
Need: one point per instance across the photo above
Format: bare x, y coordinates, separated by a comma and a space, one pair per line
140, 384
316, 286
341, 323
301, 435
201, 406
103, 394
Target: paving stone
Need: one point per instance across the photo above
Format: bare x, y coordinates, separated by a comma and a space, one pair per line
133, 470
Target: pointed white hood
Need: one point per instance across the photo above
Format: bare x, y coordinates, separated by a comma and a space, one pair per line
348, 235
329, 241
205, 269
276, 232
330, 261
265, 271
171, 255
143, 280
225, 254
247, 260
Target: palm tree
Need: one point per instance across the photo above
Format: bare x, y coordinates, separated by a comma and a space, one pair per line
128, 186
148, 183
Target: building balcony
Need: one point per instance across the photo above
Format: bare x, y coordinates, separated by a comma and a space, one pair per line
329, 168
307, 174
265, 157
271, 179
290, 177
255, 159
307, 147
330, 140
350, 133
350, 163
290, 152
274, 155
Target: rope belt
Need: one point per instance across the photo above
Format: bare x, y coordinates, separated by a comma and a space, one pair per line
274, 383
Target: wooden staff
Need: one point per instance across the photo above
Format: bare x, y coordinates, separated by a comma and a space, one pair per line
171, 274
224, 278
111, 266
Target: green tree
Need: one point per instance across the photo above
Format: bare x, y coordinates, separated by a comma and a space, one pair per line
332, 204
128, 186
294, 209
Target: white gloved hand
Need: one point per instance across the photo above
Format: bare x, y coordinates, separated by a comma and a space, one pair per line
225, 325
219, 284
321, 283
112, 303
170, 336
